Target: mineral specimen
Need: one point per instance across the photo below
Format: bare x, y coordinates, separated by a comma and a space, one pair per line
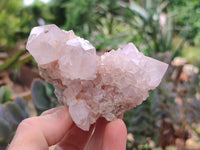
93, 86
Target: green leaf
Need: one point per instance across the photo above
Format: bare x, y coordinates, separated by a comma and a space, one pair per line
39, 95
5, 131
14, 114
5, 94
148, 4
49, 89
135, 8
9, 62
2, 115
22, 104
22, 61
162, 6
169, 33
195, 130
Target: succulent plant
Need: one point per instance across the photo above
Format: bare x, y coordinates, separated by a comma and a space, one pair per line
11, 114
43, 96
5, 94
141, 123
173, 107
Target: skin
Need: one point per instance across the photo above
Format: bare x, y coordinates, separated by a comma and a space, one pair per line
55, 127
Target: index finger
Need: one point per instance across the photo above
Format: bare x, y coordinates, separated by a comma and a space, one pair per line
43, 131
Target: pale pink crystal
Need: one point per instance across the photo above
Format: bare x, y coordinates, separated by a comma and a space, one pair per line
93, 86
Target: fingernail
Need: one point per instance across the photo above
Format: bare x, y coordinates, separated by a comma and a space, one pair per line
50, 111
58, 112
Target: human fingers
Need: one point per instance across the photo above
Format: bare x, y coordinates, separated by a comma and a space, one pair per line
115, 135
75, 139
96, 140
43, 131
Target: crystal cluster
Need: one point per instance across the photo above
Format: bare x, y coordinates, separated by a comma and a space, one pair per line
93, 86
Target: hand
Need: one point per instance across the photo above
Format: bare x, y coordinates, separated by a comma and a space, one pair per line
55, 126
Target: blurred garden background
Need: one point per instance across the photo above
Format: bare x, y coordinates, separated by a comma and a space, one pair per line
168, 30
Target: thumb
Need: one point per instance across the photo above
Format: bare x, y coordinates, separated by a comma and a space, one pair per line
43, 131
